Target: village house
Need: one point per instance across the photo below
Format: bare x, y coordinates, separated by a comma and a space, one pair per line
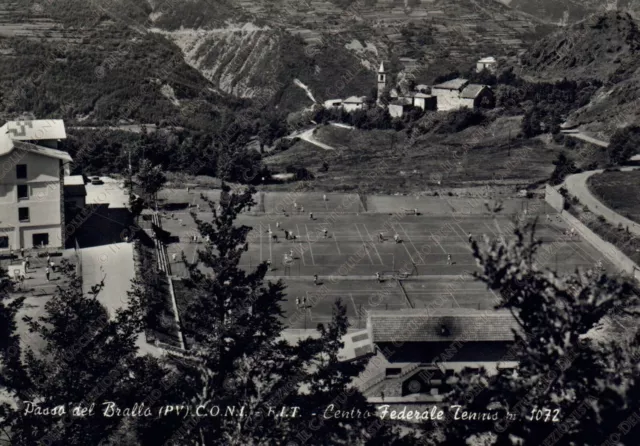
31, 184
450, 95
354, 103
458, 93
487, 63
416, 352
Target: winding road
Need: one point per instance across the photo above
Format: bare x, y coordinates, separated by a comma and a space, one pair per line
577, 186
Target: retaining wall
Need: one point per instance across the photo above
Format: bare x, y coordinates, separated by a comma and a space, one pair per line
615, 256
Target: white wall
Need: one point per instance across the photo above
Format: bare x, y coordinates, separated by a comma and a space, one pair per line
352, 107
554, 198
447, 99
43, 179
395, 110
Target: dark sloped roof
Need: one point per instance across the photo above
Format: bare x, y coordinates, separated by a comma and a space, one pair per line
442, 325
45, 151
454, 84
471, 91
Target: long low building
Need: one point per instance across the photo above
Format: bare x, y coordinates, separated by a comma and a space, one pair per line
416, 352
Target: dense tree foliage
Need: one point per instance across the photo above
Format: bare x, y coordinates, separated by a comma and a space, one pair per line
624, 144
564, 167
238, 358
87, 360
568, 368
150, 179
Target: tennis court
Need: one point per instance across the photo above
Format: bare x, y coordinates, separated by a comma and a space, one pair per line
432, 250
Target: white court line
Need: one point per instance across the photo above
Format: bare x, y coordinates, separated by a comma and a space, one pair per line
466, 241
490, 229
407, 249
433, 237
364, 243
412, 244
498, 299
301, 250
309, 242
333, 235
354, 303
373, 243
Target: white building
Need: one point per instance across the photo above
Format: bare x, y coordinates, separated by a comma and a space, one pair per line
354, 103
458, 93
487, 63
31, 184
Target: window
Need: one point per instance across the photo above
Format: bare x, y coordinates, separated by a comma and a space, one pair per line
41, 239
23, 214
23, 192
21, 171
4, 241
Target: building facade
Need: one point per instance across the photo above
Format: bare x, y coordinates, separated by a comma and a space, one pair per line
417, 352
487, 63
31, 184
459, 93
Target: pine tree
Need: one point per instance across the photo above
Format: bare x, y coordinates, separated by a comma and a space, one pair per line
579, 381
238, 358
151, 179
11, 371
88, 359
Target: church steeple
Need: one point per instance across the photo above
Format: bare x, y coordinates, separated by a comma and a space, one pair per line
382, 82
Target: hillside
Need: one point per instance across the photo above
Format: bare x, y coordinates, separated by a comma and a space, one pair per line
605, 47
334, 47
568, 11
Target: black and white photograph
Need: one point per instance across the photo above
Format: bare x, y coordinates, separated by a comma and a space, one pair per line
319, 222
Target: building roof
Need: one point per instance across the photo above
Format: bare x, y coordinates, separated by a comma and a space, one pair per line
14, 134
402, 101
331, 102
45, 151
381, 69
454, 84
355, 100
421, 95
442, 325
489, 59
35, 129
74, 180
471, 91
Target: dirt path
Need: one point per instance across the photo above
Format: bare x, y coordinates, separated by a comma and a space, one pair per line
586, 138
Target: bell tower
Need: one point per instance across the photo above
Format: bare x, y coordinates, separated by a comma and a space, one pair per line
382, 82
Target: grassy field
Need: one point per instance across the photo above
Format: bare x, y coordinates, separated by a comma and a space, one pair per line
618, 191
387, 161
348, 257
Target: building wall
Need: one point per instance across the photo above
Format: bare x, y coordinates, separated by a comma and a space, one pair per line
44, 202
485, 98
488, 66
395, 110
419, 102
466, 102
352, 107
447, 99
427, 352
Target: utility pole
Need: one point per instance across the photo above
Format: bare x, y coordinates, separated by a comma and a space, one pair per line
130, 176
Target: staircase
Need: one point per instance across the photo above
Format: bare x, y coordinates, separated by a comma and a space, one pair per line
161, 250
373, 385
